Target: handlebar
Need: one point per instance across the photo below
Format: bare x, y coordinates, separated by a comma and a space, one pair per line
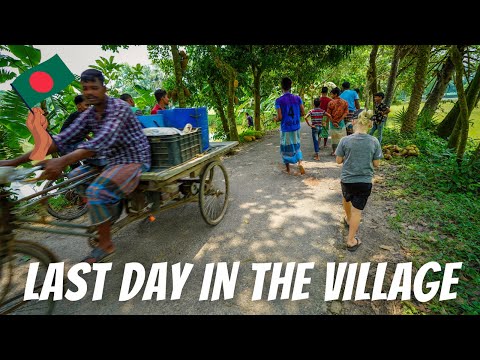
10, 173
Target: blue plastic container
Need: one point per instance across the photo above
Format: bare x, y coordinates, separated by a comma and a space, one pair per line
149, 121
179, 117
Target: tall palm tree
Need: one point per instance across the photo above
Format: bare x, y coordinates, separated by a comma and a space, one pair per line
410, 120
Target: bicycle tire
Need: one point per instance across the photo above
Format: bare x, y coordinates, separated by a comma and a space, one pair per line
23, 254
66, 213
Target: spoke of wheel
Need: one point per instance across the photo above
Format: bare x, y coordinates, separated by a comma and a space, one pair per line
209, 204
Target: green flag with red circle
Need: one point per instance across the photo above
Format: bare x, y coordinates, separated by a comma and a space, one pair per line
43, 80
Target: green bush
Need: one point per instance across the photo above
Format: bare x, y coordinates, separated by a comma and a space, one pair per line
435, 190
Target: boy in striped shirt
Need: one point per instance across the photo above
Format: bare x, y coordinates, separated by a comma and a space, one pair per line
316, 115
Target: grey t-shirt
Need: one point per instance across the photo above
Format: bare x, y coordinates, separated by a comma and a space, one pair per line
358, 152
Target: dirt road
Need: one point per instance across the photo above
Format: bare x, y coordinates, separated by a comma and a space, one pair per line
272, 218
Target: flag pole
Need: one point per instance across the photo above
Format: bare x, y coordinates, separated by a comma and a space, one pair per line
21, 97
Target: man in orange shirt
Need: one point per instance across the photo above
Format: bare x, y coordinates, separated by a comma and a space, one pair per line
338, 109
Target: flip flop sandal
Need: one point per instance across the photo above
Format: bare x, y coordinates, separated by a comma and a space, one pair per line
98, 255
354, 247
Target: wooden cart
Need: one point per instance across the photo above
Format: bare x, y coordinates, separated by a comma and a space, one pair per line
203, 179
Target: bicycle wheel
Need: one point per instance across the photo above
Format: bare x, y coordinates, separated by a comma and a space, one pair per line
66, 206
213, 194
15, 268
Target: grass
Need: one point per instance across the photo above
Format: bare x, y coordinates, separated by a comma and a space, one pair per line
440, 200
442, 111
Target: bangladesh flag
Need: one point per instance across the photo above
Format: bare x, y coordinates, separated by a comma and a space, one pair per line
43, 80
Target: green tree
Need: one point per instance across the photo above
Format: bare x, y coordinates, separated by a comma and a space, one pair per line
410, 120
443, 76
460, 132
111, 71
372, 86
399, 53
262, 59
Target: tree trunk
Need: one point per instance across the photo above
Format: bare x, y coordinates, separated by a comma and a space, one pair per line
178, 76
462, 122
393, 75
410, 120
371, 76
443, 78
445, 128
219, 108
230, 107
257, 75
399, 53
302, 94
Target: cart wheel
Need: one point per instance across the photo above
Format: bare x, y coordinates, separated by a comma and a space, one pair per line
213, 194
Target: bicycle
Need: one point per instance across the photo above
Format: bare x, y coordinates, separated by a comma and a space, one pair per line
16, 256
69, 205
203, 179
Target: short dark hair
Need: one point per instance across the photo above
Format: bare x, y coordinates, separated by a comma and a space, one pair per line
91, 75
357, 90
246, 113
346, 85
125, 97
316, 102
335, 91
79, 99
286, 83
381, 94
324, 90
159, 94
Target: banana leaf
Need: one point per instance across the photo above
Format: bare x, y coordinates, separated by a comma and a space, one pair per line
13, 115
26, 53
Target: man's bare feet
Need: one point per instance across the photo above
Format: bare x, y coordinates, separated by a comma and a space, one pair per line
316, 157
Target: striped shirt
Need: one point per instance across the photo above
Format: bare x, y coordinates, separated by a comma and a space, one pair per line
118, 136
317, 115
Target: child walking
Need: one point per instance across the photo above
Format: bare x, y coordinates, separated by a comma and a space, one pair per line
318, 131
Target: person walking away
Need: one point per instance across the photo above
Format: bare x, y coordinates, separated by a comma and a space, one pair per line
338, 110
317, 114
359, 154
249, 119
379, 118
324, 100
352, 98
289, 109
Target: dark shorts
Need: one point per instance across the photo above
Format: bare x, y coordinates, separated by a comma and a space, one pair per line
357, 193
